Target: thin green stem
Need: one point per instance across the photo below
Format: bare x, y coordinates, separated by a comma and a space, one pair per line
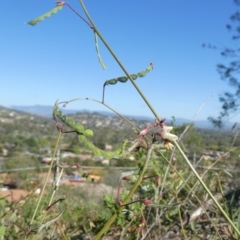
78, 15
190, 192
181, 223
56, 187
132, 191
118, 61
207, 190
47, 178
111, 220
107, 106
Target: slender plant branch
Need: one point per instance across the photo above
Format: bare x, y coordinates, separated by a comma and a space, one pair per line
55, 187
132, 191
150, 151
185, 130
211, 166
207, 190
156, 115
79, 15
47, 178
190, 190
118, 61
107, 106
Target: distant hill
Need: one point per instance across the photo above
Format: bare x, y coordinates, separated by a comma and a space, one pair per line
43, 111
46, 111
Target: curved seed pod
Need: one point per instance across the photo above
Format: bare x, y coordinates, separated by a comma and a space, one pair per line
150, 68
81, 138
142, 74
59, 113
97, 151
122, 79
88, 133
42, 17
111, 81
134, 76
64, 119
68, 121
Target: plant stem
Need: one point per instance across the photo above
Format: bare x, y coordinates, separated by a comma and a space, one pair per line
107, 106
135, 186
111, 220
118, 61
207, 190
46, 181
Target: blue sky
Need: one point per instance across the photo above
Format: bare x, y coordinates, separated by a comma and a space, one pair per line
56, 59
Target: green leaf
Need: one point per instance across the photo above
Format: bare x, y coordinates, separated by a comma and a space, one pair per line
42, 17
97, 49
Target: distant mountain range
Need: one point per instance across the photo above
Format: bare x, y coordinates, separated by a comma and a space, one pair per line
46, 111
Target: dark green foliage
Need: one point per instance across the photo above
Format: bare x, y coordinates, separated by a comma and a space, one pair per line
229, 72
